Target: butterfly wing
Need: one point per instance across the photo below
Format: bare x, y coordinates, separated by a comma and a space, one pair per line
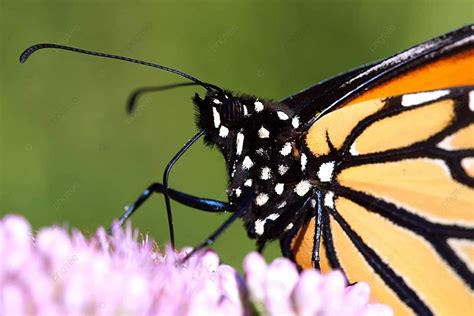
399, 212
438, 63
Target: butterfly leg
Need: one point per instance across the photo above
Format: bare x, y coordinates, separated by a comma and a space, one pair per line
243, 207
207, 205
261, 246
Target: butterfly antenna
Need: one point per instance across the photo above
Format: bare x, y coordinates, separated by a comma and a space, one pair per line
132, 99
30, 50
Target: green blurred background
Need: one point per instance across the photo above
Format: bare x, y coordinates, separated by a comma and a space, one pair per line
70, 155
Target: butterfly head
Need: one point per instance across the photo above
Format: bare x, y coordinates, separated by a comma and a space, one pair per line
237, 124
220, 110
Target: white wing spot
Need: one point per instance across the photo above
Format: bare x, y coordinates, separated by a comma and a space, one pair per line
217, 101
471, 101
329, 199
282, 116
282, 169
279, 188
239, 143
286, 149
325, 171
263, 132
247, 163
265, 173
238, 192
446, 143
304, 161
460, 246
217, 117
261, 199
422, 97
248, 183
353, 150
467, 163
258, 106
295, 122
302, 187
223, 131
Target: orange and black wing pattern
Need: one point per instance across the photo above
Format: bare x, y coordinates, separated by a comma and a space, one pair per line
398, 206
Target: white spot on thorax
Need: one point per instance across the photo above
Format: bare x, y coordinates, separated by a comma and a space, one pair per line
261, 199
279, 188
217, 117
263, 132
261, 152
248, 183
260, 224
325, 171
289, 226
282, 116
422, 97
302, 187
282, 204
286, 149
329, 199
246, 111
282, 169
247, 163
223, 131
238, 192
259, 227
217, 101
471, 101
258, 106
303, 161
239, 143
295, 122
265, 173
233, 168
272, 216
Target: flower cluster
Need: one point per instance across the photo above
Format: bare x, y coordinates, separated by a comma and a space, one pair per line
56, 273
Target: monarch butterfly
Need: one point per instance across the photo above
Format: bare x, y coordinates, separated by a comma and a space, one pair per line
370, 172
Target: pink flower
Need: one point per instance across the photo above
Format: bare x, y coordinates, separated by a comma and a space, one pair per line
277, 289
56, 273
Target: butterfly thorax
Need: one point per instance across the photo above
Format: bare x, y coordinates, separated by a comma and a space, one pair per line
262, 146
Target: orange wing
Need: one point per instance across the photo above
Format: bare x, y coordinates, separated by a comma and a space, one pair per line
450, 71
399, 213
